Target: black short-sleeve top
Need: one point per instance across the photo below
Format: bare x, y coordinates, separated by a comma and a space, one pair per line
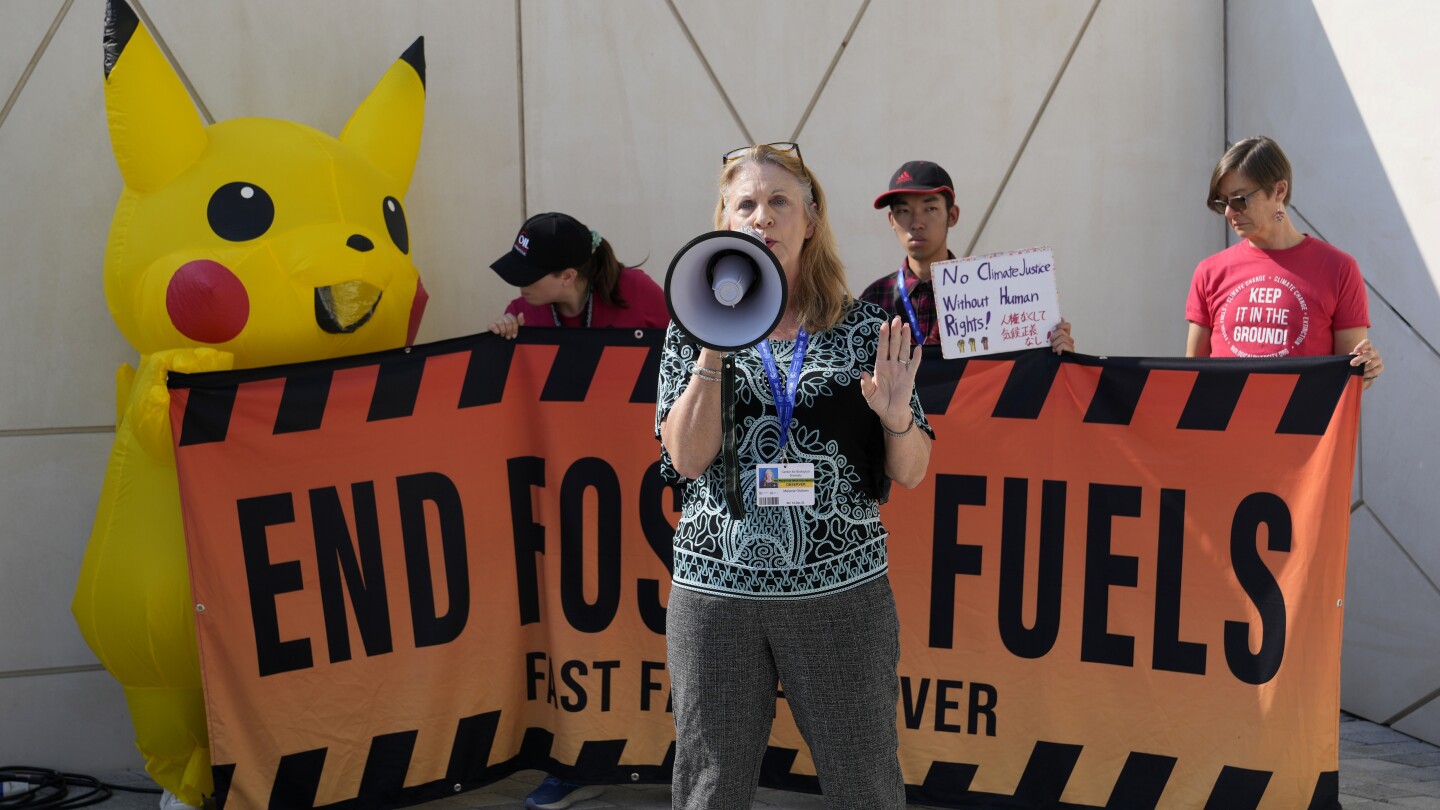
788, 552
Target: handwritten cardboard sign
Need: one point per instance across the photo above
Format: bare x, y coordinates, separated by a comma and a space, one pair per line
996, 303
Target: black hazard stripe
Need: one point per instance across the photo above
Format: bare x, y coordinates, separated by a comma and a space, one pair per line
1327, 792
1319, 384
207, 415
578, 360
573, 371
1139, 786
1238, 789
1049, 768
397, 386
1117, 394
302, 402
648, 383
1312, 403
1031, 376
937, 380
486, 373
1212, 400
1141, 781
1216, 394
307, 386
775, 771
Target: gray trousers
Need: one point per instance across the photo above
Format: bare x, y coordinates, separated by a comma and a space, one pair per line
836, 658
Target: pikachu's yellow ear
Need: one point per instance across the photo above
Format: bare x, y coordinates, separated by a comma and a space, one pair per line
154, 128
386, 126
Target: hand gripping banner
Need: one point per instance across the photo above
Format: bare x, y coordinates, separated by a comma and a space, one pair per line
416, 572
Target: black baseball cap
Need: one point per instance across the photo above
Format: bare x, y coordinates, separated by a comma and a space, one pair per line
918, 177
547, 243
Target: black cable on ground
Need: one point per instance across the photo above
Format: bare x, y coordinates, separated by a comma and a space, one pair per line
46, 789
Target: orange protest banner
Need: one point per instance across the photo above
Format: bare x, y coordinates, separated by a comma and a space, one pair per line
419, 571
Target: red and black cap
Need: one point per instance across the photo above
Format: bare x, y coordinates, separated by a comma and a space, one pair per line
918, 177
547, 243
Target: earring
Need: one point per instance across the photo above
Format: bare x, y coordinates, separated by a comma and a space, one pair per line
1280, 215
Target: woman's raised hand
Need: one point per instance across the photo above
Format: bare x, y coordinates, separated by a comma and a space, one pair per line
888, 390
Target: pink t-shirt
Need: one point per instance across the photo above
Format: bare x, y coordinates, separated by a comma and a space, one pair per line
1277, 303
644, 306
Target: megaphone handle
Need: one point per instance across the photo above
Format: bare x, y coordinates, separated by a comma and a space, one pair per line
729, 459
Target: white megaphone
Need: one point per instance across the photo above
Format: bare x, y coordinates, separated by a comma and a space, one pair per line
726, 290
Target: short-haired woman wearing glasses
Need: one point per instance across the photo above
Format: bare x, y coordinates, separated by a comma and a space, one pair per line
1277, 292
794, 592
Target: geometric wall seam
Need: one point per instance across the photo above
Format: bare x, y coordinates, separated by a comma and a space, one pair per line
1401, 546
31, 673
709, 71
34, 60
1034, 124
1370, 286
824, 80
520, 110
1412, 708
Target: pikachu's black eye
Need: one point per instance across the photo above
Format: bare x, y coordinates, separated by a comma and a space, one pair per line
239, 212
395, 223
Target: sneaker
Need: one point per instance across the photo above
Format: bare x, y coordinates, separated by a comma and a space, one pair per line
169, 801
556, 794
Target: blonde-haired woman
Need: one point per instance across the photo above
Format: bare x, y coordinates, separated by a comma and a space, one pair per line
795, 591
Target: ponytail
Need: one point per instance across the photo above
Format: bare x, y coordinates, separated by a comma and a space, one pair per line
602, 272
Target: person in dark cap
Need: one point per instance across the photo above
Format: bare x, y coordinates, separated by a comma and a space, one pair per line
922, 206
568, 276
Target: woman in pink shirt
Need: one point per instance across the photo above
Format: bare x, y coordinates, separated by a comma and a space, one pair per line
568, 276
1277, 292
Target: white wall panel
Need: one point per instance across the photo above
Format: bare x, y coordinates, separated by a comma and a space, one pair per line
74, 722
24, 28
1341, 92
624, 130
52, 484
308, 61
466, 198
769, 73
953, 83
1424, 722
1398, 453
1391, 656
60, 185
1115, 175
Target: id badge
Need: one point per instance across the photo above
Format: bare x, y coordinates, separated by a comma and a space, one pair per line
785, 485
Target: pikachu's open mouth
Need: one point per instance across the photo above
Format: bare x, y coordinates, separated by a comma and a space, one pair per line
342, 308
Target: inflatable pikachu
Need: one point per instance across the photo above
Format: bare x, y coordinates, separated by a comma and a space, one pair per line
245, 243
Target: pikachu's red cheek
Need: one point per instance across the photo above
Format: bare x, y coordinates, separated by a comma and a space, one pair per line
207, 302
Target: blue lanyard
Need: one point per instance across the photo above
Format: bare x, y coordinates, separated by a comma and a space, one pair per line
784, 398
915, 333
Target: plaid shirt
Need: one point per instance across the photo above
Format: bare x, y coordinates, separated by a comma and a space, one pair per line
885, 293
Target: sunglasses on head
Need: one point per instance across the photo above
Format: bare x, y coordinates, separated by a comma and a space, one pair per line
778, 146
1239, 203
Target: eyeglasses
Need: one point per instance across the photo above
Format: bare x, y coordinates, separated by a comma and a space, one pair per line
1239, 203
779, 146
